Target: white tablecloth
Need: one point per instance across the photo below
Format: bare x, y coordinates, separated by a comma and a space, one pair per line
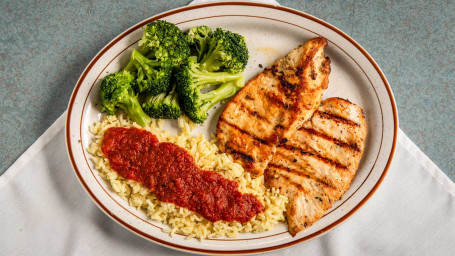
45, 211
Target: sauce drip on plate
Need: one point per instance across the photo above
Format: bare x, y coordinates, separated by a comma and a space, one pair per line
171, 173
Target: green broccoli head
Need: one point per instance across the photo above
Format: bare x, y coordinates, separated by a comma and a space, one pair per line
153, 76
163, 105
227, 52
117, 92
191, 79
164, 40
199, 38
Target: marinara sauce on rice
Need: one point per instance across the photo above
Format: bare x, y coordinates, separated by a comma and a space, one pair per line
206, 156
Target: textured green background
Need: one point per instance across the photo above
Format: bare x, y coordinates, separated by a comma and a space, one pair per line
45, 45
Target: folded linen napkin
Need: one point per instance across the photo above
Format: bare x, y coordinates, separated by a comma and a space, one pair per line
44, 210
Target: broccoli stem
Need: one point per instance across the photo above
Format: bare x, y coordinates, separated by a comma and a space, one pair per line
172, 98
138, 57
151, 99
226, 90
210, 62
201, 50
205, 79
130, 67
134, 110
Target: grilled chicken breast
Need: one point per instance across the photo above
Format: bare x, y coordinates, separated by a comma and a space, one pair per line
317, 163
274, 105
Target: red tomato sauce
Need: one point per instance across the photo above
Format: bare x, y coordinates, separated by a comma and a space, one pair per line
171, 173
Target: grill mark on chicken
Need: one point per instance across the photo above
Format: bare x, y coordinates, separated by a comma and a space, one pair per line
286, 87
253, 112
301, 173
352, 146
313, 167
314, 154
263, 141
299, 71
275, 103
337, 119
275, 100
271, 175
310, 62
325, 194
244, 156
343, 108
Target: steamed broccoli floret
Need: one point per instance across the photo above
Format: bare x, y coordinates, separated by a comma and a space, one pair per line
199, 38
163, 105
227, 52
191, 80
153, 76
117, 92
164, 40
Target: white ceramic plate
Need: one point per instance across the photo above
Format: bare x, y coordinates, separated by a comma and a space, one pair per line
271, 32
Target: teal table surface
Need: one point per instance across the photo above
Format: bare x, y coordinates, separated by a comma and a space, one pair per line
45, 46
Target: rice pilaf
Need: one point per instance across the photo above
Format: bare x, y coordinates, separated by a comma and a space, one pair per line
208, 157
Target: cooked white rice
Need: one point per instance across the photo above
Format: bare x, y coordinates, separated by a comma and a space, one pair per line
208, 157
